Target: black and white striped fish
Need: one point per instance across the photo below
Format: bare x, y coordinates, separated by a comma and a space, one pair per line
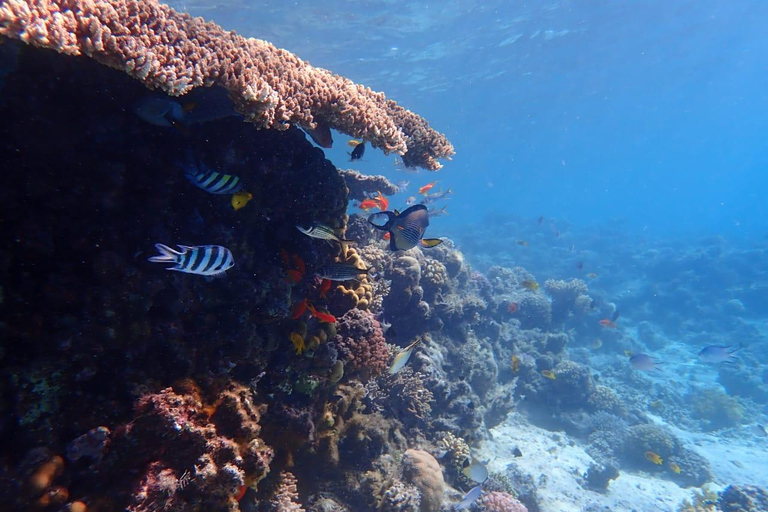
406, 229
203, 260
340, 272
211, 181
323, 232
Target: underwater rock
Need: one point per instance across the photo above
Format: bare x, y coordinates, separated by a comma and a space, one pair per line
362, 186
599, 476
743, 498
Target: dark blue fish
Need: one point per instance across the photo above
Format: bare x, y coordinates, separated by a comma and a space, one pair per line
203, 260
358, 152
406, 229
212, 181
159, 111
718, 354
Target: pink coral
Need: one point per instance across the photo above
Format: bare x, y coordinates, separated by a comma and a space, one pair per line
175, 52
497, 501
361, 343
286, 499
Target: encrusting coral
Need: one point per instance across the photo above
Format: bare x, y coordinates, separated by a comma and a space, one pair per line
176, 53
497, 501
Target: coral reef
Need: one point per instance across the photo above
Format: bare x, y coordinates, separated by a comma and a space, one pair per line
497, 501
715, 409
286, 497
176, 53
568, 298
361, 343
743, 498
362, 186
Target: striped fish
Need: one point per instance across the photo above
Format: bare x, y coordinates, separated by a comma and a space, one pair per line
203, 260
323, 232
406, 229
212, 181
340, 272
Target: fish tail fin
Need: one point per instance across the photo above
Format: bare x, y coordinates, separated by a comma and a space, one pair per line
430, 242
444, 210
167, 255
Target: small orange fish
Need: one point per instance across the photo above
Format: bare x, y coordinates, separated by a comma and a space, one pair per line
323, 316
654, 457
610, 324
426, 188
549, 374
515, 363
299, 309
530, 284
387, 235
368, 204
241, 199
675, 468
512, 308
383, 202
325, 285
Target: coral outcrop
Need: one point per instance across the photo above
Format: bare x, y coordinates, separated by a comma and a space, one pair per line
176, 53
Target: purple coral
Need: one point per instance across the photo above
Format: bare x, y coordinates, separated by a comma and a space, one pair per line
497, 501
361, 343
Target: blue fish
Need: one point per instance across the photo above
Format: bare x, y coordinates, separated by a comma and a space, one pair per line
718, 354
406, 229
212, 181
203, 260
469, 498
159, 111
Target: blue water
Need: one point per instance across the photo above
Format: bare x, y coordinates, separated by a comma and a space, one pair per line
648, 113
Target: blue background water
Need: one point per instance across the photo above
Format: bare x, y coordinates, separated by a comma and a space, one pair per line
649, 113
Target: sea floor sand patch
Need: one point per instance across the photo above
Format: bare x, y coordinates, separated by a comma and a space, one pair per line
557, 463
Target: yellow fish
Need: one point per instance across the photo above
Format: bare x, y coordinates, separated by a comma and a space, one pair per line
515, 363
592, 275
298, 342
597, 344
675, 468
241, 199
654, 457
655, 404
548, 374
353, 143
401, 359
628, 353
530, 284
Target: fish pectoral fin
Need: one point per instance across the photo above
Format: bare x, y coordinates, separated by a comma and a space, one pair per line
431, 242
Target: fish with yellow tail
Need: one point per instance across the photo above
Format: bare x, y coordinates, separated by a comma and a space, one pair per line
654, 457
549, 374
401, 359
674, 468
406, 228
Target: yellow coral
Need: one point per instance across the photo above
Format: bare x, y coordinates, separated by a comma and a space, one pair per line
361, 296
703, 501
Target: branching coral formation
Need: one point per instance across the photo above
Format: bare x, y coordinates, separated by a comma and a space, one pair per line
176, 53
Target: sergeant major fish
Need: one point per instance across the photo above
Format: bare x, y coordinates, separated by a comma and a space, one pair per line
212, 181
203, 260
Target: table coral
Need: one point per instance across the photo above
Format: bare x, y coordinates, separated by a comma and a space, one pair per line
176, 53
362, 186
